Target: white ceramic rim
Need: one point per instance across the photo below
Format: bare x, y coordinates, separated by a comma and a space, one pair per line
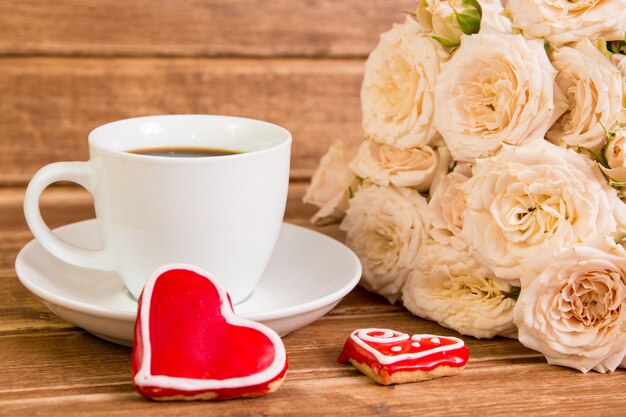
97, 135
130, 315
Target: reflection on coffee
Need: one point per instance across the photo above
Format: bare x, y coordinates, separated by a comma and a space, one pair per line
183, 152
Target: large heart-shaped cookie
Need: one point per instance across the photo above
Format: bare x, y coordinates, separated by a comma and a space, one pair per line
189, 344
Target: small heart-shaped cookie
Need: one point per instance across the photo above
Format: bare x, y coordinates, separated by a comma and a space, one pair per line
189, 344
390, 357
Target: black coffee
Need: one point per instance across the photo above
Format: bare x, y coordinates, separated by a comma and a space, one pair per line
180, 152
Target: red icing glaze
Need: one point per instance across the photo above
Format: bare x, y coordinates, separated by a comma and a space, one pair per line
456, 357
194, 337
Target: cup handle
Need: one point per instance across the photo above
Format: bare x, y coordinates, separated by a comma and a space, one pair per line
80, 173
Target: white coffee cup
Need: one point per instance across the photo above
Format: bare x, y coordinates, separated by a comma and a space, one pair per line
221, 213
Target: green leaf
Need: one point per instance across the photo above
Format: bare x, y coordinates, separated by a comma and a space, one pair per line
469, 21
445, 42
476, 4
513, 293
616, 47
613, 46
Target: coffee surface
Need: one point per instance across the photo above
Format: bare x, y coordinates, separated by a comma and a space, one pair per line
183, 152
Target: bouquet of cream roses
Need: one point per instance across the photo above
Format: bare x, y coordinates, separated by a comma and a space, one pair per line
487, 192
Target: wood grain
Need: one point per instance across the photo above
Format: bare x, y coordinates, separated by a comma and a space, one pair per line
78, 374
49, 105
21, 312
196, 27
353, 396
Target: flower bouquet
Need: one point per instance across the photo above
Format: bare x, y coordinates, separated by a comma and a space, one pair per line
487, 192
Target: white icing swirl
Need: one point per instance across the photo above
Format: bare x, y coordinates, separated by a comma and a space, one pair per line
387, 336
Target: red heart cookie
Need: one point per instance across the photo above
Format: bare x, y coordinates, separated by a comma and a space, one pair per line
189, 344
390, 357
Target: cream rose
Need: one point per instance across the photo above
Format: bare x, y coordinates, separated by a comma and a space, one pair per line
446, 209
528, 202
331, 183
561, 21
593, 86
386, 227
451, 288
397, 90
496, 89
574, 312
615, 154
410, 167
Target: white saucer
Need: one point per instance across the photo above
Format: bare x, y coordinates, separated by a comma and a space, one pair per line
308, 274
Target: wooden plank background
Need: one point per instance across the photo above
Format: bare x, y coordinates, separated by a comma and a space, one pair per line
70, 65
49, 105
261, 28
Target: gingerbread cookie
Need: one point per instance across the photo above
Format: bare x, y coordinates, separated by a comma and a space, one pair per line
390, 357
189, 344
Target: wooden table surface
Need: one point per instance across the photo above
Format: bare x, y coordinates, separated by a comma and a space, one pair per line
52, 368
